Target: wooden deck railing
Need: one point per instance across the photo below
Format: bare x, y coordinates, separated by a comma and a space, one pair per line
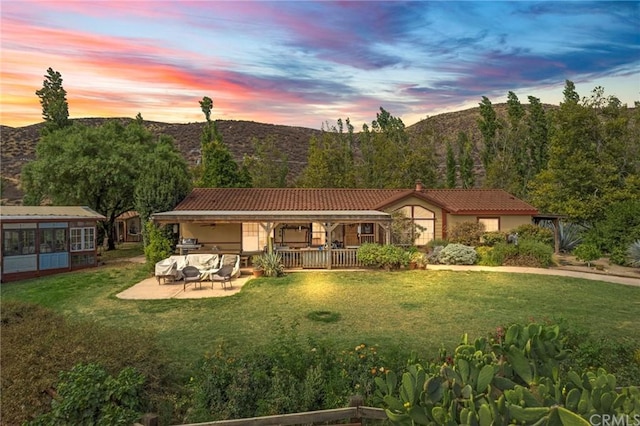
318, 259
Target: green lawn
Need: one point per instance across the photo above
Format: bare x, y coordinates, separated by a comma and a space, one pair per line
417, 310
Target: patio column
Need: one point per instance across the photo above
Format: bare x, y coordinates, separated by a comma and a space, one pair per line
268, 228
329, 227
387, 232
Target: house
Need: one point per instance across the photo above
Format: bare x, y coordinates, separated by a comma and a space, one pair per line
129, 227
45, 240
323, 227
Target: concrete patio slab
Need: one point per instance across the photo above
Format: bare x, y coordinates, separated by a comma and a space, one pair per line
149, 289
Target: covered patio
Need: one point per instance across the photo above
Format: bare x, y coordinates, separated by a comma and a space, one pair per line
305, 239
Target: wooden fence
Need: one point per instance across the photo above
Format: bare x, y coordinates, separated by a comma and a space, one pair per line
347, 416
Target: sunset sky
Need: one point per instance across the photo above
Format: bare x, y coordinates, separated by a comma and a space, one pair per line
303, 63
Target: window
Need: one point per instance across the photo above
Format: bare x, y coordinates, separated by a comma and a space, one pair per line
53, 240
16, 242
82, 239
491, 224
253, 237
422, 227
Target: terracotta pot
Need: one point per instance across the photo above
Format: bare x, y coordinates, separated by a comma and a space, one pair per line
258, 273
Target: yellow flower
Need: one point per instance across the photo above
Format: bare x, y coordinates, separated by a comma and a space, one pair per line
373, 370
407, 405
382, 369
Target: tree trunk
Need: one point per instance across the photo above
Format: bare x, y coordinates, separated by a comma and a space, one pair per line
110, 233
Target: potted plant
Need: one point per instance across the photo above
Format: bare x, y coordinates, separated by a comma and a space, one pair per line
418, 260
258, 266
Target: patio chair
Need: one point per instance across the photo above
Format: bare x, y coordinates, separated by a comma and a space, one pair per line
223, 276
191, 274
232, 260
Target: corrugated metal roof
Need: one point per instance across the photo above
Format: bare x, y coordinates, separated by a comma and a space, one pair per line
49, 212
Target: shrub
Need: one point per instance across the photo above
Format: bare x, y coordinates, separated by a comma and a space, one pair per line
457, 254
633, 253
288, 375
466, 233
436, 242
535, 233
619, 228
38, 343
618, 357
527, 253
89, 395
158, 245
490, 239
485, 256
432, 257
383, 256
587, 252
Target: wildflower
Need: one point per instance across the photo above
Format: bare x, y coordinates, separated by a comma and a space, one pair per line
407, 405
373, 370
313, 350
382, 369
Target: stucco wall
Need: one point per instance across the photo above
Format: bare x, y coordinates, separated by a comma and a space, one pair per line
224, 236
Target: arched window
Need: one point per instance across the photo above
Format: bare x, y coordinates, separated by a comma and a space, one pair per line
424, 223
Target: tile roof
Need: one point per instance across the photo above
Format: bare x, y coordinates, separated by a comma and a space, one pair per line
322, 199
479, 201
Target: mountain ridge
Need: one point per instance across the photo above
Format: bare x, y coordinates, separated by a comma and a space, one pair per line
19, 143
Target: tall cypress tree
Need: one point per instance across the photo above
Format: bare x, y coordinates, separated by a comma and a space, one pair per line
218, 169
53, 98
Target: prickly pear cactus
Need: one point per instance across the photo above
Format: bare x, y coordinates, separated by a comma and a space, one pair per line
514, 380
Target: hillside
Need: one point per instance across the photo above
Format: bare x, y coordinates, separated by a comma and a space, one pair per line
18, 144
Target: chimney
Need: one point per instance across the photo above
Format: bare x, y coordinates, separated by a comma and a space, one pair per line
419, 186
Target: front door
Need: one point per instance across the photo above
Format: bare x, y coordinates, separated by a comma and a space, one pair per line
351, 235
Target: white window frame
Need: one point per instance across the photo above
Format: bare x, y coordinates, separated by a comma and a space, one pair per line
494, 221
82, 239
253, 237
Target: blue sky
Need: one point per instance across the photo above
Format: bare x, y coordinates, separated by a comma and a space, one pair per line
304, 63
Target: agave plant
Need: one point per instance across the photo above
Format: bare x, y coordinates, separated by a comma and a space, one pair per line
569, 235
633, 253
270, 263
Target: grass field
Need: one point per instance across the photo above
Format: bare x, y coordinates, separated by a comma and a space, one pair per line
408, 310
